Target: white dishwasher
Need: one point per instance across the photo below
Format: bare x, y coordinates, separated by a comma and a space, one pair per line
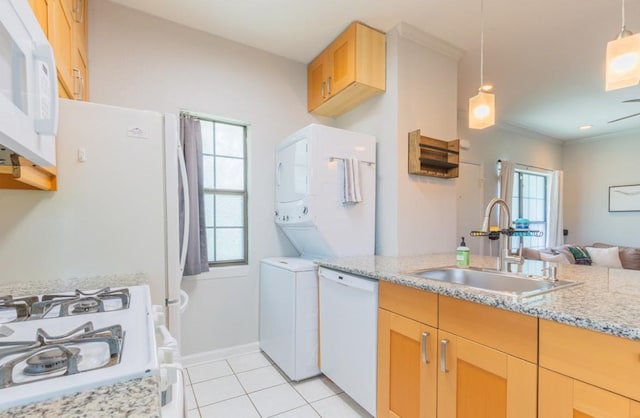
349, 334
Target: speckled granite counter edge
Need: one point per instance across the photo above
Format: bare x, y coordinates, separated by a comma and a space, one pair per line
133, 398
523, 305
34, 287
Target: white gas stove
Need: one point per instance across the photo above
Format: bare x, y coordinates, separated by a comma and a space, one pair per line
62, 344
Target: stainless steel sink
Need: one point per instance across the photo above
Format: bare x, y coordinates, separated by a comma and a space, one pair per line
496, 282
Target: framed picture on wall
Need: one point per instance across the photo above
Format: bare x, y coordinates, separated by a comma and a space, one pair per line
624, 198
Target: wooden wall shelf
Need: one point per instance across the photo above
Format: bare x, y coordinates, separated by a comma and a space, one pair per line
433, 157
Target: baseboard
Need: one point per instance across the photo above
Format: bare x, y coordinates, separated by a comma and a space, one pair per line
220, 354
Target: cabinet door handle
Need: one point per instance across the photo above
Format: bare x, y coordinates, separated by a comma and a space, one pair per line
78, 10
81, 87
76, 83
423, 347
329, 85
322, 88
443, 356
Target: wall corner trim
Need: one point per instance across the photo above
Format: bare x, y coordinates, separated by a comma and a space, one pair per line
420, 37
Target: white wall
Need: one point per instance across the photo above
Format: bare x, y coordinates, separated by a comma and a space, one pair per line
377, 117
139, 61
428, 92
590, 168
498, 142
413, 213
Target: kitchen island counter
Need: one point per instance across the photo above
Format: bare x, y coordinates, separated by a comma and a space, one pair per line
605, 301
132, 398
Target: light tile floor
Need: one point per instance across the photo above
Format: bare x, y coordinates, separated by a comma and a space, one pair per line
250, 386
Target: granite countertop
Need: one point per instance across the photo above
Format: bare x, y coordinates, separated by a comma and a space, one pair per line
605, 301
133, 398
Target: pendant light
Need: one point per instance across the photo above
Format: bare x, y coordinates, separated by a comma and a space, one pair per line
623, 59
482, 107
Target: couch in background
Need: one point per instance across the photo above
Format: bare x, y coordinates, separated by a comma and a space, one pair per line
598, 254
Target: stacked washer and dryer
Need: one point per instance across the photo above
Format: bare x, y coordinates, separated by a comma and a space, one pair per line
325, 205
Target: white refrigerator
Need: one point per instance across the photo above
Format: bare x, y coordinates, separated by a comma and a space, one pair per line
116, 208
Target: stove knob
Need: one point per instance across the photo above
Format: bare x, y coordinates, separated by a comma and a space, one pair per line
305, 210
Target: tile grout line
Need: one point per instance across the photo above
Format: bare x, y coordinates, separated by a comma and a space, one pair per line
287, 381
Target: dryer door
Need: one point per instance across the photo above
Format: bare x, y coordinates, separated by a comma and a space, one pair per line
292, 172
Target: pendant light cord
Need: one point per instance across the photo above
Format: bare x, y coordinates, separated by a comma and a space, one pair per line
623, 23
482, 43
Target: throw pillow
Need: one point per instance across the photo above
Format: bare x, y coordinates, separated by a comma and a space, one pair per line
559, 258
580, 255
629, 256
606, 257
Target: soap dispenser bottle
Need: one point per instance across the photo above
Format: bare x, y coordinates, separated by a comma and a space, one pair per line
462, 255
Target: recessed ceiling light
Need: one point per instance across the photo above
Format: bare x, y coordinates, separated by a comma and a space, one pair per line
585, 127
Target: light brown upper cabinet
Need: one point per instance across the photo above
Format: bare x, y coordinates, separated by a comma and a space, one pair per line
64, 22
80, 51
348, 72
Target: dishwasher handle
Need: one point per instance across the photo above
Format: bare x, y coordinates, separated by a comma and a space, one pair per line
349, 280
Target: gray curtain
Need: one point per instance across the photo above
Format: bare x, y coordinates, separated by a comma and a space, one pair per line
191, 141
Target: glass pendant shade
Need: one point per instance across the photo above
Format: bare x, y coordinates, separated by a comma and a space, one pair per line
482, 110
623, 62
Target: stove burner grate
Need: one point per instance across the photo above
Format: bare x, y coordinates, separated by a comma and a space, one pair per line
50, 360
51, 356
79, 303
88, 305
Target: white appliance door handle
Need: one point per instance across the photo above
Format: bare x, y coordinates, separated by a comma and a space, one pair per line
278, 173
184, 300
363, 284
185, 194
46, 84
167, 339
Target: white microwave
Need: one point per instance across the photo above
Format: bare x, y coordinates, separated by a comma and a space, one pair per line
28, 86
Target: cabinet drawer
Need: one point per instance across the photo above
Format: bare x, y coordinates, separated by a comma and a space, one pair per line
416, 304
602, 360
510, 332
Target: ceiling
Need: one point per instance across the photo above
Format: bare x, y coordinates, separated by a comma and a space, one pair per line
545, 57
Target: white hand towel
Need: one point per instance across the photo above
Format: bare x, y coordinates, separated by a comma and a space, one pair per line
352, 193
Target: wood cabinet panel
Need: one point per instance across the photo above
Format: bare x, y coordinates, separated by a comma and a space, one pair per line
406, 367
65, 24
41, 10
413, 303
61, 38
342, 56
511, 332
347, 72
563, 397
80, 70
602, 360
476, 381
316, 84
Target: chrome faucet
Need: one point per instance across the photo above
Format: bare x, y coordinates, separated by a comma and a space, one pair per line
506, 257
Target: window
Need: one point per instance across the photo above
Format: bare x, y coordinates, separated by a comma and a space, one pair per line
225, 191
530, 201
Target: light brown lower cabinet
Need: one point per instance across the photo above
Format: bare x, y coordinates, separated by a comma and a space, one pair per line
563, 397
407, 361
476, 381
448, 358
